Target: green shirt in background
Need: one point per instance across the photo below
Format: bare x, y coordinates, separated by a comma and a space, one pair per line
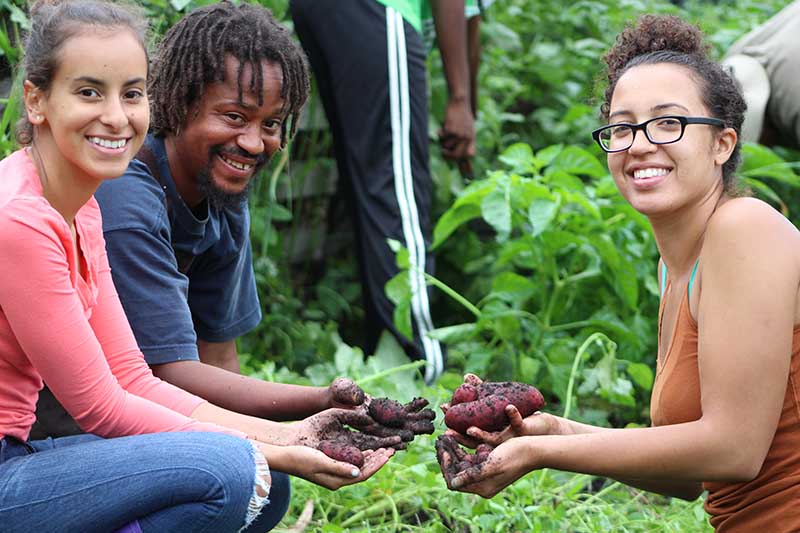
411, 10
418, 12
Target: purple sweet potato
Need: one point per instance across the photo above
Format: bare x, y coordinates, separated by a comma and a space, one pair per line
453, 459
342, 451
412, 416
488, 410
345, 391
465, 393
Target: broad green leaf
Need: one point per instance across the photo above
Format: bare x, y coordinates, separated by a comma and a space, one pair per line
402, 319
451, 220
394, 245
546, 155
642, 375
578, 161
398, 289
540, 214
626, 284
756, 156
528, 190
519, 157
581, 200
347, 357
507, 328
496, 210
607, 250
529, 369
512, 287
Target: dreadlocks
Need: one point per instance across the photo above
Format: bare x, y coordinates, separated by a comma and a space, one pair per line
192, 55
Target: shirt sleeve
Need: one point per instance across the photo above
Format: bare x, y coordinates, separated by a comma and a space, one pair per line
154, 294
51, 326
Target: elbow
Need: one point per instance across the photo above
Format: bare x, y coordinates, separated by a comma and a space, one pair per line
166, 372
739, 466
690, 493
744, 472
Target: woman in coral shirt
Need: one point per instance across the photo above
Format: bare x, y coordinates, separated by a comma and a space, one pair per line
153, 459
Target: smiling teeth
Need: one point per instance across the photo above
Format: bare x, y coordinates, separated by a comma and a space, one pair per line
106, 143
236, 164
649, 173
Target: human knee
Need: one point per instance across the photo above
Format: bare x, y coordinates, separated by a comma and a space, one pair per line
273, 512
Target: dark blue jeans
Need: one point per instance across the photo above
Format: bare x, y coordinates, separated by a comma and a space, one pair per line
166, 481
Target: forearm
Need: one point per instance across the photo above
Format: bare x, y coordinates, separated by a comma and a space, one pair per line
451, 34
474, 58
647, 457
243, 394
258, 429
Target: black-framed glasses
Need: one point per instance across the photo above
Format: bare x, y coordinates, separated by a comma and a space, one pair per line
659, 130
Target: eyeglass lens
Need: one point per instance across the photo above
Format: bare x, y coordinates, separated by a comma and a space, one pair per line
660, 131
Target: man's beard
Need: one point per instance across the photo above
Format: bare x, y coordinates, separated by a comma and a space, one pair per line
218, 197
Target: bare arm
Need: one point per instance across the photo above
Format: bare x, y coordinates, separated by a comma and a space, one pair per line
219, 354
474, 58
746, 312
457, 135
540, 424
242, 394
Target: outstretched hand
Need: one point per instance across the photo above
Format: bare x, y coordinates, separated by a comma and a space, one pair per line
536, 424
332, 424
316, 467
504, 465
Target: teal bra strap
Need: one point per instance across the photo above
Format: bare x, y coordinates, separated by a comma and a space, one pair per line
691, 277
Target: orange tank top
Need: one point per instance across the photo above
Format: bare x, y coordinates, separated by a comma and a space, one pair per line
770, 503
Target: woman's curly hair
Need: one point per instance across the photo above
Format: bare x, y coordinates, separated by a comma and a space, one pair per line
668, 39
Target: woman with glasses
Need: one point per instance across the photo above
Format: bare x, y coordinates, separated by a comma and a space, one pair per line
725, 405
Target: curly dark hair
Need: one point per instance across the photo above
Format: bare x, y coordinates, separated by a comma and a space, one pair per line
192, 55
668, 39
53, 22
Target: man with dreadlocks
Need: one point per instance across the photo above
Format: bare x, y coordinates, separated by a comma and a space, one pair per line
227, 86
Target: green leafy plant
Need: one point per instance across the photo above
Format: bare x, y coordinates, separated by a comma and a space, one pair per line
562, 256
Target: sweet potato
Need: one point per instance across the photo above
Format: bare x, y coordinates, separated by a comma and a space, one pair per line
345, 391
342, 451
488, 410
453, 459
465, 393
411, 417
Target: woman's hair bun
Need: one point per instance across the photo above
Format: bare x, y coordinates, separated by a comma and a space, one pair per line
654, 33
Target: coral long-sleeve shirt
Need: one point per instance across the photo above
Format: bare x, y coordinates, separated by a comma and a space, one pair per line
69, 331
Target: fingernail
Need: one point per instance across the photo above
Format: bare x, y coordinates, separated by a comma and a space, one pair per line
355, 472
456, 483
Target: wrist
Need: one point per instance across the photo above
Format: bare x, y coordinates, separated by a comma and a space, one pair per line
533, 453
276, 456
325, 401
459, 98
